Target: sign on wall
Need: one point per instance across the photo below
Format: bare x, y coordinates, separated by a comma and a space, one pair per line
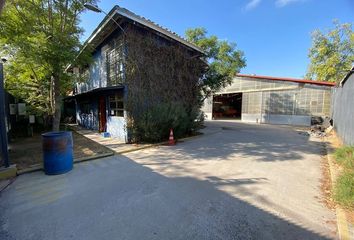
13, 109
21, 108
32, 119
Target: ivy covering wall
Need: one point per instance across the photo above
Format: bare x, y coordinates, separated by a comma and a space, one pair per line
163, 92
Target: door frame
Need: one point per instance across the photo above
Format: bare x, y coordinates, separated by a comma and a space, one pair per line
102, 114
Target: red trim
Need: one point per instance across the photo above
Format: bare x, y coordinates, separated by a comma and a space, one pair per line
288, 80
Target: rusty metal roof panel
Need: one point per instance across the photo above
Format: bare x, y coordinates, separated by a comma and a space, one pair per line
296, 80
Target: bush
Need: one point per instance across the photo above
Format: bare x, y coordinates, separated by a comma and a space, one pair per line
155, 123
344, 189
345, 156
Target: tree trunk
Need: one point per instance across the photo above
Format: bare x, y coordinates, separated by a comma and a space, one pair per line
57, 102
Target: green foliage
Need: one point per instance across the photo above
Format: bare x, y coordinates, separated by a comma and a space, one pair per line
41, 37
225, 61
344, 189
345, 156
163, 91
332, 53
344, 186
28, 81
155, 123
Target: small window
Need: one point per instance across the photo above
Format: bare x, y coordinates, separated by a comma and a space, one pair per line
116, 106
85, 108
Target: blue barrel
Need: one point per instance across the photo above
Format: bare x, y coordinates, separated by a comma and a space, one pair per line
57, 152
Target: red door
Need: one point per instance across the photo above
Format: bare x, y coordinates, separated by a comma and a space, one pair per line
102, 114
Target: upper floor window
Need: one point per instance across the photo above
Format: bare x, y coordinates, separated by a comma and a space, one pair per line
81, 74
84, 73
85, 108
115, 65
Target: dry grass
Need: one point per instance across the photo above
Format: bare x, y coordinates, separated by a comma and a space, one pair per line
27, 152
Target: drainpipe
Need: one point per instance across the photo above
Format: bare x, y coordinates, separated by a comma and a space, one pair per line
261, 120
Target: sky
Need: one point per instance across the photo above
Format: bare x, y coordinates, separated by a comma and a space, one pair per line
275, 35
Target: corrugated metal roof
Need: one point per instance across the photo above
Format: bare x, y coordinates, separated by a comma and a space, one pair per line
118, 12
288, 80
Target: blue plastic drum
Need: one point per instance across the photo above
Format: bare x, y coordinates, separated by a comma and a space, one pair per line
57, 152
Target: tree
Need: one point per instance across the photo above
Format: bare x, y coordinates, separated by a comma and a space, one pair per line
42, 38
224, 60
28, 81
332, 53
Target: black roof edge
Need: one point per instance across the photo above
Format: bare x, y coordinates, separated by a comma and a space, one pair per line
95, 90
350, 72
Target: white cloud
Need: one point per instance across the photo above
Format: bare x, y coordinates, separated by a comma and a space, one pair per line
279, 3
252, 4
283, 3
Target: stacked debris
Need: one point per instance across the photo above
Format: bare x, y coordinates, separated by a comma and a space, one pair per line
320, 127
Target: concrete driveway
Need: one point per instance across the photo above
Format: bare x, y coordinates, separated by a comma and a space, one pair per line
237, 181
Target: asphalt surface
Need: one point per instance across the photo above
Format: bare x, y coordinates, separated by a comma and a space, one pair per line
237, 181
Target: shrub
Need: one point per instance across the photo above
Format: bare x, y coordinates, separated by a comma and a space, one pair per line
155, 123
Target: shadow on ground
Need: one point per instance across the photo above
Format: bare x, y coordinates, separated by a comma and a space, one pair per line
117, 198
260, 142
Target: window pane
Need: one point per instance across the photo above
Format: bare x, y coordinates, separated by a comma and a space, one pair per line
120, 113
120, 105
115, 65
112, 105
116, 106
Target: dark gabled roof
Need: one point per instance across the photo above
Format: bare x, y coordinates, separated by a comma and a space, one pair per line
95, 90
105, 28
296, 80
350, 72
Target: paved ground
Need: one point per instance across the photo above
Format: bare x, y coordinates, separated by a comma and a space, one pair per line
114, 144
240, 182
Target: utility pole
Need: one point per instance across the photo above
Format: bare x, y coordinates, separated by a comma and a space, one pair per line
3, 131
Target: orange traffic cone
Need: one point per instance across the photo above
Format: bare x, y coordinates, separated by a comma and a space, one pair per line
171, 140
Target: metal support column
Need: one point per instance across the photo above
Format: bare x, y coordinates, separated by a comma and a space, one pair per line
3, 131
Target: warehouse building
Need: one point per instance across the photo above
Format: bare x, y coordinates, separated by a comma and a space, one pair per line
272, 100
